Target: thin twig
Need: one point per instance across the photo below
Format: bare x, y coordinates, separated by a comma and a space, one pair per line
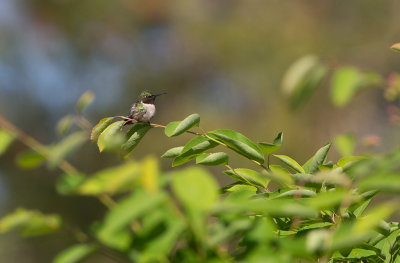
195, 133
35, 145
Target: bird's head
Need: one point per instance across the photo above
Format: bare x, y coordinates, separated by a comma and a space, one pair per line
147, 97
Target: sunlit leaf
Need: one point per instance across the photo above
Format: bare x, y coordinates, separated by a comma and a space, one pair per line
30, 222
249, 177
75, 253
84, 101
64, 125
173, 152
386, 245
113, 232
195, 188
239, 143
345, 144
171, 127
193, 148
111, 138
303, 78
68, 145
177, 128
328, 177
6, 138
290, 162
69, 183
281, 208
279, 175
319, 157
358, 255
348, 234
297, 193
373, 217
269, 148
386, 182
318, 240
100, 127
29, 159
347, 81
160, 247
149, 174
220, 158
330, 199
350, 159
111, 180
135, 135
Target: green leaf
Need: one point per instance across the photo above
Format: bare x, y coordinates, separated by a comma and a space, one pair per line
84, 101
112, 180
356, 255
30, 222
192, 149
6, 138
386, 245
220, 158
347, 81
345, 144
281, 208
249, 176
302, 79
318, 159
318, 240
29, 159
64, 125
297, 193
69, 183
350, 234
111, 138
195, 188
330, 199
171, 127
239, 143
349, 160
75, 253
68, 145
113, 232
386, 182
173, 152
178, 127
290, 162
99, 128
279, 175
135, 135
374, 217
160, 246
269, 148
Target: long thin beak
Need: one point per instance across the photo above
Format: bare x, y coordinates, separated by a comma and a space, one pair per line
156, 95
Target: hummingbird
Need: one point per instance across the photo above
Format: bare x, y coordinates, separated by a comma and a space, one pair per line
144, 109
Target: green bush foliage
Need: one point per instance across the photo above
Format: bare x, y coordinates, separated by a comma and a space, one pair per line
312, 212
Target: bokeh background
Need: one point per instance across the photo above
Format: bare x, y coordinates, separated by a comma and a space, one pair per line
222, 59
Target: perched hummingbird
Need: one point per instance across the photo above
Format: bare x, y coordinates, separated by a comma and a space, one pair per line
144, 109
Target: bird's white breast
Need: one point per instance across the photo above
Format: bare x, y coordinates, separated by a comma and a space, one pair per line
150, 111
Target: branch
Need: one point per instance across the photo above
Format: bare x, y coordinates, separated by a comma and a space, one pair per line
35, 145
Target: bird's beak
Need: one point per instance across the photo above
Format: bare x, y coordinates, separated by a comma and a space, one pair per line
156, 95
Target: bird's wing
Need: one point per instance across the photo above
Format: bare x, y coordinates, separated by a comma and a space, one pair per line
137, 111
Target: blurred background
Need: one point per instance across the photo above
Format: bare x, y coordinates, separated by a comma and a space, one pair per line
222, 59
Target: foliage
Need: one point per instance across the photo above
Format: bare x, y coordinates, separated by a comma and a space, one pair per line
312, 212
